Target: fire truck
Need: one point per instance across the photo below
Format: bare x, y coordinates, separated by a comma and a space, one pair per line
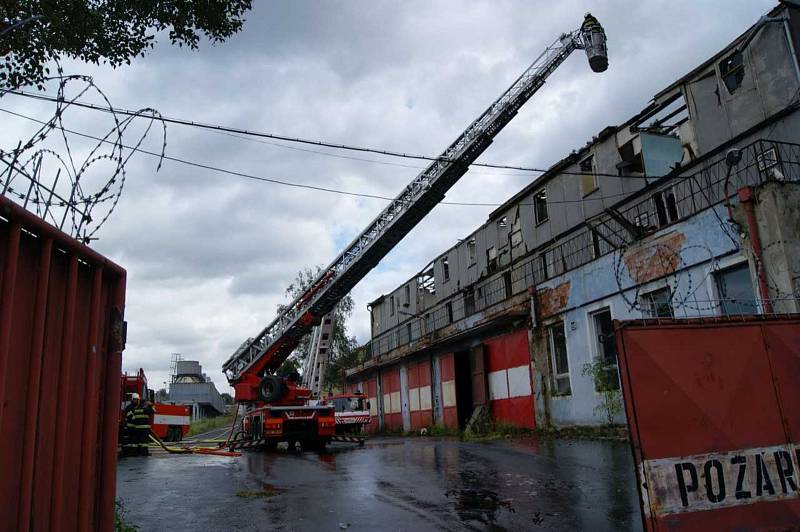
351, 411
170, 422
278, 409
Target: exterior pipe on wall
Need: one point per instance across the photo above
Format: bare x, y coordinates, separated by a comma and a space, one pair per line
747, 200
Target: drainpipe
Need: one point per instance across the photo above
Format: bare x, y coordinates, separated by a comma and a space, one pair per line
747, 200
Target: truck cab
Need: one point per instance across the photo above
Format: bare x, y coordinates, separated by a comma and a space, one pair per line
351, 411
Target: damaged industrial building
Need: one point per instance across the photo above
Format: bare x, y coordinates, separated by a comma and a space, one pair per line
689, 209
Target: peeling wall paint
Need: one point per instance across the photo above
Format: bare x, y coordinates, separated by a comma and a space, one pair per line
654, 258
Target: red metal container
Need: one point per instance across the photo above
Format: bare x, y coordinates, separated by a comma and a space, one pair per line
714, 412
61, 339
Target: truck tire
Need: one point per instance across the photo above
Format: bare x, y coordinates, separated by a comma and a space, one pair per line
271, 388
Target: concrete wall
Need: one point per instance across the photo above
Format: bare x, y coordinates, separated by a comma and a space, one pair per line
777, 210
701, 247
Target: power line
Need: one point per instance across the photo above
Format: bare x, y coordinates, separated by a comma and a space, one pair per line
277, 181
298, 140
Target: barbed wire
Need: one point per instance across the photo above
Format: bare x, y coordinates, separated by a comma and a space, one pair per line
73, 188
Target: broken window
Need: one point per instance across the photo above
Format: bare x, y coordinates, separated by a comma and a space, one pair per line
606, 347
767, 162
560, 361
540, 206
469, 301
588, 178
445, 270
666, 207
657, 304
408, 331
449, 307
408, 295
325, 336
632, 162
731, 70
502, 222
735, 290
391, 305
472, 251
507, 283
491, 259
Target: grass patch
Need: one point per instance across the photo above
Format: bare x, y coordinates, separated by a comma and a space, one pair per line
498, 431
120, 525
256, 494
604, 432
212, 423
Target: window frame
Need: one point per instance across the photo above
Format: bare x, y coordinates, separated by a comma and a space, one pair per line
598, 348
556, 376
445, 269
718, 273
472, 251
724, 75
652, 312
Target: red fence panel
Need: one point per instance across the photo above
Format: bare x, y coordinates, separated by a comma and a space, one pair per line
712, 407
61, 341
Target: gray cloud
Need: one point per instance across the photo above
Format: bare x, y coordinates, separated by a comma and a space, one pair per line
209, 255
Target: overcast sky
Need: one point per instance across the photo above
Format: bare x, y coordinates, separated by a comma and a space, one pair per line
209, 255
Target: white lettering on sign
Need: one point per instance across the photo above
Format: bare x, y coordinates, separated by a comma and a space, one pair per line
718, 480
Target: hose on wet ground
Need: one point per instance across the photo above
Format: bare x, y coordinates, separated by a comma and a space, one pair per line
191, 450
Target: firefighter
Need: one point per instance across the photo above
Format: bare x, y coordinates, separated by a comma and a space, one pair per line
141, 419
590, 23
130, 442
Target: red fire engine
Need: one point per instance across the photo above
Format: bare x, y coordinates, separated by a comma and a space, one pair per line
352, 413
170, 422
277, 409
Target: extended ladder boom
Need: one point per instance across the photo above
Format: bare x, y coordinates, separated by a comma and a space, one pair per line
270, 348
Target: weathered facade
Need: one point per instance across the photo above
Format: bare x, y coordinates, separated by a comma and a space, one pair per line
649, 219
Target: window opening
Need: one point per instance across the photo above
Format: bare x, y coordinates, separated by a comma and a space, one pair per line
606, 346
469, 302
735, 290
657, 304
540, 206
588, 178
472, 251
731, 69
491, 259
666, 207
558, 352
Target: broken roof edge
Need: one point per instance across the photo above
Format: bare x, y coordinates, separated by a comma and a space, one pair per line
782, 5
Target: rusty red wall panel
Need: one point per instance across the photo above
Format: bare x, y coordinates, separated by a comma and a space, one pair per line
447, 366
507, 351
60, 354
712, 407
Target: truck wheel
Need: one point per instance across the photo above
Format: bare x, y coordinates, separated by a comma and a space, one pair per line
271, 388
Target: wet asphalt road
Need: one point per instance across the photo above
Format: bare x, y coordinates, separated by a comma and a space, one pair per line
390, 484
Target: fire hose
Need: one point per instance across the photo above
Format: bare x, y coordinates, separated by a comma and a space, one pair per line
191, 450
